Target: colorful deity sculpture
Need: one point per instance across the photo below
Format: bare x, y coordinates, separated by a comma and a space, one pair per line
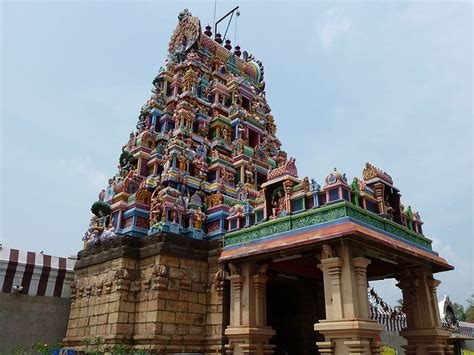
278, 203
409, 216
356, 191
199, 218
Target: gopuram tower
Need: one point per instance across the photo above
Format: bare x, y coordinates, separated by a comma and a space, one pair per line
206, 240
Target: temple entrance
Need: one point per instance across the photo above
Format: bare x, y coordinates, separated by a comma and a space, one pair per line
294, 305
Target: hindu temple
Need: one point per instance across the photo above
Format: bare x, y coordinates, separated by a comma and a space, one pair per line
207, 241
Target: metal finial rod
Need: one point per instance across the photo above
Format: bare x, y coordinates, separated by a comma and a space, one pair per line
215, 9
228, 24
223, 17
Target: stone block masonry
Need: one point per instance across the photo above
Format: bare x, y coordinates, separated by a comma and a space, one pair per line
164, 292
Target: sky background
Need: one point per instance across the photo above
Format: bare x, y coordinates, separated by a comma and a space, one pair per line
384, 82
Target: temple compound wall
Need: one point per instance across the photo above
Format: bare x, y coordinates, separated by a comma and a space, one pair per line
25, 320
394, 340
161, 293
34, 298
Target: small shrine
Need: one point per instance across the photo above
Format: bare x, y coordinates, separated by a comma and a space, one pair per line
206, 227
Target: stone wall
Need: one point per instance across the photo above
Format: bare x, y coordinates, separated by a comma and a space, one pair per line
25, 320
164, 292
468, 345
393, 340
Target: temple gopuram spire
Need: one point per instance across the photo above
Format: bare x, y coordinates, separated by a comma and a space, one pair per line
203, 146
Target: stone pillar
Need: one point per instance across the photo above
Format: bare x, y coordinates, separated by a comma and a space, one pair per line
347, 328
236, 285
247, 332
360, 270
218, 306
259, 283
424, 333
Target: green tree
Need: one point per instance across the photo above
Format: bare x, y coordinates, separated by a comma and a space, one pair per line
459, 312
470, 309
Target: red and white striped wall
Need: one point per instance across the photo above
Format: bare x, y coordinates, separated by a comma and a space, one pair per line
36, 273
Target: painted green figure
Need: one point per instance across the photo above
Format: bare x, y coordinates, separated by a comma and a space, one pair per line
409, 214
356, 191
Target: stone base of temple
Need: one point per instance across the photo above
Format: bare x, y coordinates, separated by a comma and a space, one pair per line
164, 293
349, 336
431, 341
249, 340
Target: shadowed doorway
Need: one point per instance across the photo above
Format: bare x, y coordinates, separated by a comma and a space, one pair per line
294, 304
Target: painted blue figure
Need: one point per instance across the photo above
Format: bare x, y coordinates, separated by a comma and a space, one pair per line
315, 186
109, 191
201, 151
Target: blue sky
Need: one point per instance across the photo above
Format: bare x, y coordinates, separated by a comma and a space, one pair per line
349, 82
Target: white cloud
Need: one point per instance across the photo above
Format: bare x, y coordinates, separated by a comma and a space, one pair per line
332, 27
459, 283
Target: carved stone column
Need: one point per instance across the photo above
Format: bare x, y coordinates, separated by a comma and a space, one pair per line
424, 333
332, 270
236, 285
360, 271
260, 283
347, 328
247, 332
432, 286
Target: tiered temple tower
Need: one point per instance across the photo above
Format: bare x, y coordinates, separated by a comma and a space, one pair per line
206, 208
204, 145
